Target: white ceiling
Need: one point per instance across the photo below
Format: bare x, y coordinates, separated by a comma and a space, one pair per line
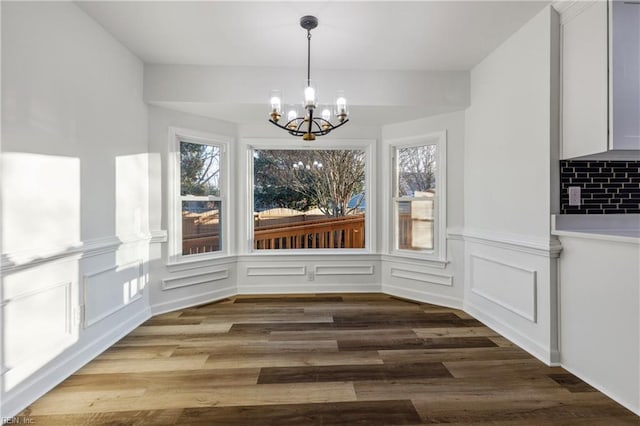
393, 35
359, 35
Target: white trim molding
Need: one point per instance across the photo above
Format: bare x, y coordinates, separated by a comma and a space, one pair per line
530, 280
345, 269
439, 252
550, 247
158, 236
177, 135
195, 279
275, 270
422, 276
12, 262
86, 279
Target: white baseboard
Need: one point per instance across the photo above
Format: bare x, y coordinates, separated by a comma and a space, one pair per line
544, 354
195, 300
422, 296
54, 373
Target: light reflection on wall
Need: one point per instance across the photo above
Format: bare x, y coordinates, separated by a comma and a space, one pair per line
41, 202
132, 195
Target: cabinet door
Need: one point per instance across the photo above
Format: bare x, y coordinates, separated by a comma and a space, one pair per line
625, 111
585, 82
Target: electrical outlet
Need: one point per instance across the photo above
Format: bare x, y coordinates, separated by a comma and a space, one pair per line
310, 276
574, 196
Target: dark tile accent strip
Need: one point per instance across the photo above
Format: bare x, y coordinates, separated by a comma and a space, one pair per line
606, 186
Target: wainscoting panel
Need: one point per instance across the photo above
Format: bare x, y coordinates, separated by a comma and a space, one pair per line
421, 276
507, 285
275, 270
45, 321
195, 279
109, 290
348, 269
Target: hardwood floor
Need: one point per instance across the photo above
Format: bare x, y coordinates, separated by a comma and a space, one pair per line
350, 359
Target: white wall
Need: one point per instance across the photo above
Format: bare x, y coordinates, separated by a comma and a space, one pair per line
75, 195
417, 279
174, 287
510, 135
600, 316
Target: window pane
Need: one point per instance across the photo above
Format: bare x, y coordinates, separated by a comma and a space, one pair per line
200, 227
199, 169
306, 199
414, 220
416, 179
416, 170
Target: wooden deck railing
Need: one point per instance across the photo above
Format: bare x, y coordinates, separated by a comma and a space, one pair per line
200, 244
339, 232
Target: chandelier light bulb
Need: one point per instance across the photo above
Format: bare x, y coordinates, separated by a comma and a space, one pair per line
326, 114
341, 105
309, 97
276, 104
292, 115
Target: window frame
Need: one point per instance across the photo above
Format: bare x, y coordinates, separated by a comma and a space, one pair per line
247, 176
175, 198
439, 251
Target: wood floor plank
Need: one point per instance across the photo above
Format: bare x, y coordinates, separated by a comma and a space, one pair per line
161, 330
258, 347
523, 411
222, 396
428, 343
571, 382
455, 332
340, 413
138, 352
181, 379
344, 334
271, 318
129, 418
321, 359
453, 354
289, 299
352, 373
104, 366
513, 368
294, 359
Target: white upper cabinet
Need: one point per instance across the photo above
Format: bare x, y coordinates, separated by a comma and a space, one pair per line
600, 76
584, 79
625, 74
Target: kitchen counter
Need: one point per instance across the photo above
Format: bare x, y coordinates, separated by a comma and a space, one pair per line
611, 227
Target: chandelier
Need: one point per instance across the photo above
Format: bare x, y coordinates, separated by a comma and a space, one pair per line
309, 125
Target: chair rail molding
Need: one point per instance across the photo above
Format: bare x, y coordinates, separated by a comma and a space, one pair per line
550, 247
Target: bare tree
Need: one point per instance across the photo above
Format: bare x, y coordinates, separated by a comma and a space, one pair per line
327, 179
199, 169
416, 169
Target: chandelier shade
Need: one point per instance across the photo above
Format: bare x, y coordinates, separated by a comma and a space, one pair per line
310, 124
